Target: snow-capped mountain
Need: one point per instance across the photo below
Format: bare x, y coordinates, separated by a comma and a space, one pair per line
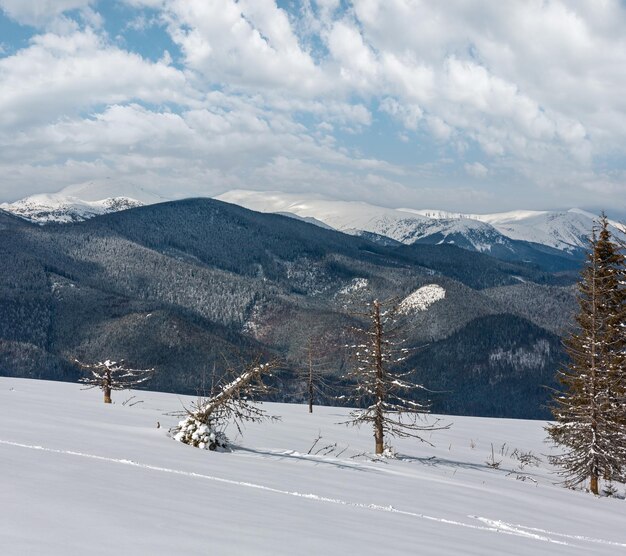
345, 216
507, 235
565, 231
80, 202
353, 217
562, 230
44, 209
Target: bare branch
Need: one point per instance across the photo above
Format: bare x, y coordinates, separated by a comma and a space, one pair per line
112, 375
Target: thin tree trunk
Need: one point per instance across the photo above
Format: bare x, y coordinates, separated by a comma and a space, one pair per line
310, 378
594, 390
380, 394
107, 387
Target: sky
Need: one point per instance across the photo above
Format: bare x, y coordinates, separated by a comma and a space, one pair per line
464, 105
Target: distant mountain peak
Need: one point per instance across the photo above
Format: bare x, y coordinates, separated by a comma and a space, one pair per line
45, 209
565, 231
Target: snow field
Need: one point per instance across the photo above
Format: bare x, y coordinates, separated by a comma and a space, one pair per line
80, 477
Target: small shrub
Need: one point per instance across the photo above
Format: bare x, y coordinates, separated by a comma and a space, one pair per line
201, 435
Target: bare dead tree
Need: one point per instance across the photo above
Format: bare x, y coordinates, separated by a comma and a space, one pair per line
314, 373
112, 375
231, 401
381, 387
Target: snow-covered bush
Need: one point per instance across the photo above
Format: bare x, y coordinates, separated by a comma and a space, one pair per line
201, 435
389, 452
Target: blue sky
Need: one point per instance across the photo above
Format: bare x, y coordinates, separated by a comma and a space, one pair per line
469, 106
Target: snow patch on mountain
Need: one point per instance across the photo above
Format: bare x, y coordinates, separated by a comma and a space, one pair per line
421, 299
355, 285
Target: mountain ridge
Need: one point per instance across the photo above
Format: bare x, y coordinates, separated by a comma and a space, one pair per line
565, 231
182, 284
521, 235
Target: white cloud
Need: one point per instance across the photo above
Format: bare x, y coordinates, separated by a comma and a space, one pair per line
145, 3
476, 169
257, 93
243, 44
40, 12
356, 62
61, 75
440, 129
409, 114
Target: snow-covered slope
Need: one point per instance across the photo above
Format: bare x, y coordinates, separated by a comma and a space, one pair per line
81, 477
421, 298
345, 216
566, 231
354, 217
80, 202
563, 230
44, 209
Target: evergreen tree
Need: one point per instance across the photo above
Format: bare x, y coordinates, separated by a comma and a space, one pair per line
589, 413
385, 391
611, 252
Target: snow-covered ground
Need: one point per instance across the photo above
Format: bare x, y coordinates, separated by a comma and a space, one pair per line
79, 477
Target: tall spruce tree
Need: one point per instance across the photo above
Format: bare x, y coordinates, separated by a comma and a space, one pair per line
612, 253
589, 412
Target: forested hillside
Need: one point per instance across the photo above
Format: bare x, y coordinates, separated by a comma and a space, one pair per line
188, 286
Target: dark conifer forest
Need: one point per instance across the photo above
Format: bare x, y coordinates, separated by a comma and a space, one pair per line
188, 287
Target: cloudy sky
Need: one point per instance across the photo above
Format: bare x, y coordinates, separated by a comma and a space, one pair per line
461, 105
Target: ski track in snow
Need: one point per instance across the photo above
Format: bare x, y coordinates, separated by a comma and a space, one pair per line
522, 528
490, 525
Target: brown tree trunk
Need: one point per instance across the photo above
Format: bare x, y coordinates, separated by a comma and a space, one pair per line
379, 438
310, 378
594, 484
380, 393
106, 388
